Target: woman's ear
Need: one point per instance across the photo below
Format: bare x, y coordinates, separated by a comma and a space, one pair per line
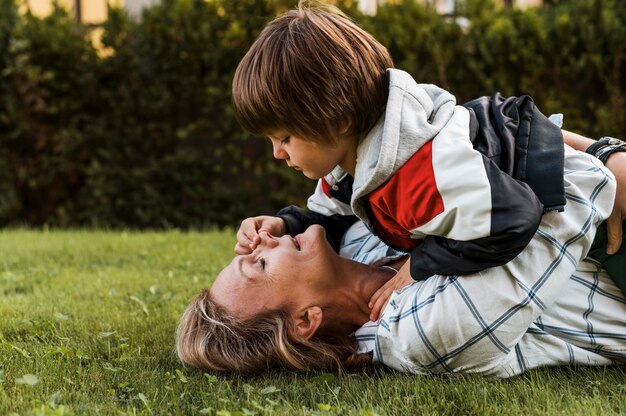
308, 321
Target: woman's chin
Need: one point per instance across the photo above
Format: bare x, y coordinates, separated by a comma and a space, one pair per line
315, 233
314, 240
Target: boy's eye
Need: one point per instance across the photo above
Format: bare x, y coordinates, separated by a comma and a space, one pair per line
262, 263
285, 140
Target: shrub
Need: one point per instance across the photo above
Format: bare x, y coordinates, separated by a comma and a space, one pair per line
141, 133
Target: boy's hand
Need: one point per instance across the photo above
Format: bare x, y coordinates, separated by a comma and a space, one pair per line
616, 163
382, 295
248, 234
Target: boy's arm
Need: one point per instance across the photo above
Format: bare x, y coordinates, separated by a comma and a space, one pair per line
438, 255
298, 220
513, 215
468, 212
499, 184
328, 207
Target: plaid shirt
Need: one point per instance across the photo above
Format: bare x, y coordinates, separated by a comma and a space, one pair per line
548, 306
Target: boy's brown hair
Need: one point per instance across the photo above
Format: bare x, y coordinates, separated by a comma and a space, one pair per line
312, 72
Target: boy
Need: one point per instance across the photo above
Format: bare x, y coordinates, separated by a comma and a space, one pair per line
462, 188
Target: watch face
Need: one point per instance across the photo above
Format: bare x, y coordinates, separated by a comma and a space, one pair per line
614, 141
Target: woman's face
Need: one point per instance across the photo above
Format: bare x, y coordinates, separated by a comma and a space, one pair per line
280, 272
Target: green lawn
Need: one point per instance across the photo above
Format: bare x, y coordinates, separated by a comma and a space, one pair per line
87, 323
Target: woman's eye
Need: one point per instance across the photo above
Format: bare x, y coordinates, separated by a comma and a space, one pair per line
285, 140
262, 263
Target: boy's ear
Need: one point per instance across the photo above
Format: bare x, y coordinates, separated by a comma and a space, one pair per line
345, 126
308, 321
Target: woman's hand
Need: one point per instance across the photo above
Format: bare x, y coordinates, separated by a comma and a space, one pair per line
248, 234
382, 295
616, 163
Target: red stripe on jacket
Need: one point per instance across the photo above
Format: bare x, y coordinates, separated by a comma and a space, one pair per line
410, 198
326, 188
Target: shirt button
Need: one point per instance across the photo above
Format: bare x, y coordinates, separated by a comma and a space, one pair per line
335, 187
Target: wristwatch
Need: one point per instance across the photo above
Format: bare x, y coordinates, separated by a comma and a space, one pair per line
605, 147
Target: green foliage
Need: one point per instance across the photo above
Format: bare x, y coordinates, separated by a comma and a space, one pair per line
568, 56
141, 132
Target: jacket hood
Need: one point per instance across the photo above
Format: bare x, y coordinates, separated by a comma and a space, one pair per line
415, 113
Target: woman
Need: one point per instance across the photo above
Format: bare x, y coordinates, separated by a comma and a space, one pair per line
294, 303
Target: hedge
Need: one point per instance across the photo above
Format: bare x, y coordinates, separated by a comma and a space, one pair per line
141, 134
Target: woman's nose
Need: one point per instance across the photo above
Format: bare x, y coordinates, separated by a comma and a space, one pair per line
267, 239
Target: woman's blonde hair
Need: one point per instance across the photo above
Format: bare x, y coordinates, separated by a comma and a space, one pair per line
314, 73
210, 338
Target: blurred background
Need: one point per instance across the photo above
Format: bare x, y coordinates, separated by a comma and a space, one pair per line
117, 114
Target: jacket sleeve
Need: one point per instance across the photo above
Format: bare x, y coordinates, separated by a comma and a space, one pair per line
523, 142
326, 207
468, 212
489, 212
514, 214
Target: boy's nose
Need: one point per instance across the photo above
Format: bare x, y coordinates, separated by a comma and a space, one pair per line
278, 151
267, 239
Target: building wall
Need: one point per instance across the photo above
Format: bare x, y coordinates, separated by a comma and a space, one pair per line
91, 11
443, 6
44, 7
134, 7
95, 11
527, 3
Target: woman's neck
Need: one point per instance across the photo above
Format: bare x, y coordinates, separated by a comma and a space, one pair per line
349, 300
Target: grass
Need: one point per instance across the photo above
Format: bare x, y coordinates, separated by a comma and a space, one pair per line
87, 322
